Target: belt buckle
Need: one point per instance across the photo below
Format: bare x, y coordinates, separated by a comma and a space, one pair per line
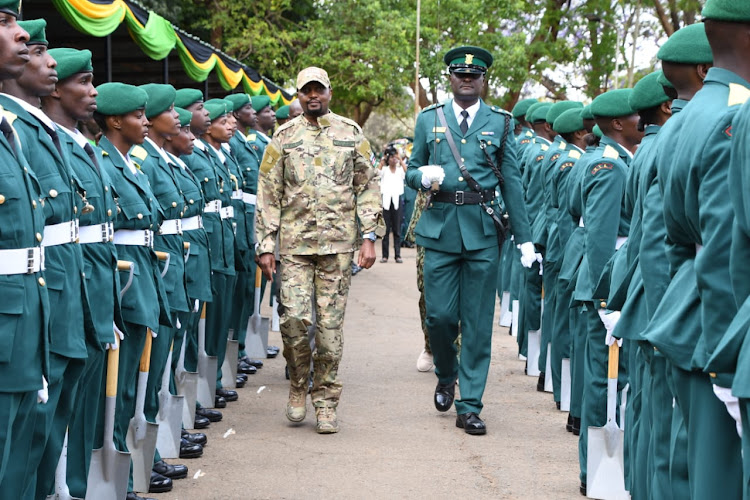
459, 197
179, 226
105, 232
30, 261
148, 238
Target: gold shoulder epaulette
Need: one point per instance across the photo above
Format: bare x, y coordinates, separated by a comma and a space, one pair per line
610, 152
738, 94
574, 154
139, 152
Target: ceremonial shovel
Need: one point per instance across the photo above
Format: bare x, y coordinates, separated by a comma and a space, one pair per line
187, 386
169, 417
141, 437
206, 367
605, 460
256, 341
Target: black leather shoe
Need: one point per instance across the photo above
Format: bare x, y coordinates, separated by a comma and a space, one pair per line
540, 383
576, 426
271, 353
444, 395
211, 415
227, 394
569, 425
201, 422
242, 376
471, 424
582, 489
190, 450
243, 367
159, 483
220, 402
239, 383
195, 437
170, 471
132, 496
252, 362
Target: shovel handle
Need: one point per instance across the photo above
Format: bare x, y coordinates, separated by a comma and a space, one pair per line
145, 363
113, 365
614, 361
203, 311
258, 276
124, 265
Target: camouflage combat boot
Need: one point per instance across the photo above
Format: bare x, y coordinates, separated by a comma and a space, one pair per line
327, 423
296, 408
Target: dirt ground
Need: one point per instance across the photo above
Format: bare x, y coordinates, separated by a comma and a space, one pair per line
392, 442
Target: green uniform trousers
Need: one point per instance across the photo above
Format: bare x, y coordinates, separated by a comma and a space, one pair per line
17, 417
661, 429
637, 423
530, 303
549, 332
460, 288
745, 413
678, 438
560, 335
131, 349
159, 354
577, 326
218, 313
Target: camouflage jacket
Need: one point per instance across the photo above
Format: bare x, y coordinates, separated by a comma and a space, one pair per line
314, 182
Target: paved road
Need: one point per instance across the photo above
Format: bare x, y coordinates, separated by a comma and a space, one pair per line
392, 442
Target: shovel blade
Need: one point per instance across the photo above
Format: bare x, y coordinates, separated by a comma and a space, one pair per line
206, 380
506, 316
229, 367
254, 340
605, 463
532, 358
108, 474
169, 420
565, 385
142, 451
548, 368
187, 387
514, 316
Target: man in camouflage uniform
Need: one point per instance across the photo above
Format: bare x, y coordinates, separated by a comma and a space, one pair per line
316, 179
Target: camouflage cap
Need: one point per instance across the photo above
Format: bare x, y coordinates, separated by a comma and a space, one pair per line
185, 116
12, 7
736, 11
313, 74
71, 61
35, 29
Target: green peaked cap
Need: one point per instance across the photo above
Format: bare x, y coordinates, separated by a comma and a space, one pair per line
468, 59
737, 11
238, 100
260, 102
569, 121
613, 104
648, 92
521, 107
559, 108
186, 97
218, 108
36, 30
160, 98
185, 116
71, 61
688, 45
117, 98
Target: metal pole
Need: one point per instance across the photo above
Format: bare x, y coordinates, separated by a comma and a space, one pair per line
108, 51
416, 79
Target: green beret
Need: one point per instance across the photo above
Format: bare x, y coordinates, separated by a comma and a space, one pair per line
559, 108
648, 92
12, 7
586, 113
532, 108
613, 104
260, 102
468, 60
688, 45
663, 81
597, 131
569, 121
736, 11
238, 100
522, 107
35, 29
117, 98
71, 61
540, 113
218, 108
160, 98
185, 116
187, 97
283, 112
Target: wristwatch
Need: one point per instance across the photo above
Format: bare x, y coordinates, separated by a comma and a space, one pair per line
371, 236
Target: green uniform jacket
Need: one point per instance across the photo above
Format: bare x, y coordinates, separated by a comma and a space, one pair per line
249, 162
451, 228
145, 302
226, 185
559, 194
547, 225
243, 214
23, 351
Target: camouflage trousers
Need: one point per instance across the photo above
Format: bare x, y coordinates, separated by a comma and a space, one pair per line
329, 276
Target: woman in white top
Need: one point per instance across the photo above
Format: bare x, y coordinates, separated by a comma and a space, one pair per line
392, 172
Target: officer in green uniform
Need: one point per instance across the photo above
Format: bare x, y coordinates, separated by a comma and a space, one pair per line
69, 320
604, 230
459, 236
24, 310
74, 100
145, 308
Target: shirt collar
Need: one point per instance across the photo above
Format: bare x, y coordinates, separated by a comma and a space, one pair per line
159, 150
472, 110
75, 134
38, 113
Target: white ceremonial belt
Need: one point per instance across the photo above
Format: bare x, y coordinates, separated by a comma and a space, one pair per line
98, 233
191, 223
698, 248
620, 242
580, 222
135, 237
227, 212
249, 198
237, 195
212, 206
60, 234
171, 226
21, 261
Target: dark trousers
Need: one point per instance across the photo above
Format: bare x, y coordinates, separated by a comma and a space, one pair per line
392, 218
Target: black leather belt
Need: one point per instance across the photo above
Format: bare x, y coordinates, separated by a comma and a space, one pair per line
464, 197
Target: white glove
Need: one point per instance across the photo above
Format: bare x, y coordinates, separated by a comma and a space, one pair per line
732, 403
610, 322
529, 254
430, 174
195, 306
118, 331
42, 395
153, 333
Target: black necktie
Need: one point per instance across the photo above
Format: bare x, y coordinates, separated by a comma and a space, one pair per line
7, 131
55, 138
465, 122
90, 151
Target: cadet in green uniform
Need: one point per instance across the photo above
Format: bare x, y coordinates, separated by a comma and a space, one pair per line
74, 100
460, 239
264, 123
63, 256
604, 230
24, 309
121, 115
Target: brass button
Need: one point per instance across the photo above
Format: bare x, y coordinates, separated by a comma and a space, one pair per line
463, 141
52, 193
109, 212
460, 179
2, 200
712, 375
140, 216
38, 236
191, 202
603, 304
75, 209
42, 282
174, 204
463, 161
205, 179
106, 188
119, 210
489, 143
437, 141
221, 190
